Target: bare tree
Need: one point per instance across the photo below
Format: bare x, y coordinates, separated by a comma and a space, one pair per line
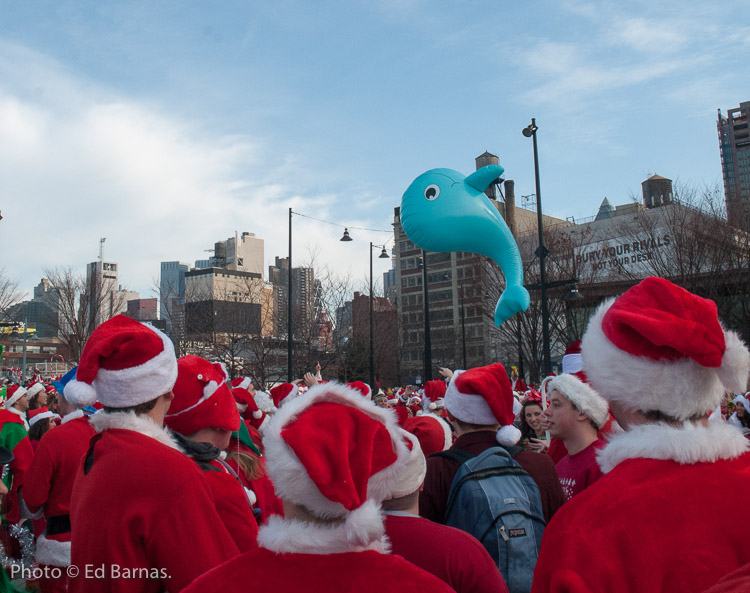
691, 243
10, 294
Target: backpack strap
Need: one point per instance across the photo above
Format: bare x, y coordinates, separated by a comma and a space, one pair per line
456, 455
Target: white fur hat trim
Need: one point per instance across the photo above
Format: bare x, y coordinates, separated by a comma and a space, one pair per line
582, 396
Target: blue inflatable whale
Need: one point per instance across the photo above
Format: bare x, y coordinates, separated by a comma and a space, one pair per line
442, 210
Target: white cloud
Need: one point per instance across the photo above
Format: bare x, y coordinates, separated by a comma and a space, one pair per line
82, 162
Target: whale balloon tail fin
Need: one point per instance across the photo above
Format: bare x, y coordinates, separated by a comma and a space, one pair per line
513, 300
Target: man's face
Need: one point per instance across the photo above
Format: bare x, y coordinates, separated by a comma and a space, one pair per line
562, 417
23, 403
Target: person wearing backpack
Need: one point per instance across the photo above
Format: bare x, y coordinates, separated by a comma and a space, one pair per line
522, 490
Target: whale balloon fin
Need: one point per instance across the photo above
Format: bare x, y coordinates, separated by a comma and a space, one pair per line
513, 300
482, 178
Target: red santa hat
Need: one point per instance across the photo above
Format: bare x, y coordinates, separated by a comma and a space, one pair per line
572, 361
13, 394
202, 399
124, 363
483, 395
243, 382
49, 388
659, 347
338, 455
281, 393
434, 395
34, 389
433, 433
581, 395
40, 414
413, 470
362, 387
248, 408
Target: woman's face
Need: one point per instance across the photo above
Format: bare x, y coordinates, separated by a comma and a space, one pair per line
740, 409
534, 417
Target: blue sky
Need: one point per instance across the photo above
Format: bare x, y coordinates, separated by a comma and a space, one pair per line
166, 126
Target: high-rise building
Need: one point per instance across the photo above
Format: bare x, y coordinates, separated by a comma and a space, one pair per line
142, 309
172, 293
303, 296
103, 297
734, 145
242, 253
223, 301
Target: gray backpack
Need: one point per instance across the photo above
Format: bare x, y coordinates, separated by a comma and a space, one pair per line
494, 499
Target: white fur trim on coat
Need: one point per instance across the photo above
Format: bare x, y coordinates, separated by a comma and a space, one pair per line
288, 475
20, 414
690, 443
52, 552
72, 416
582, 396
362, 530
681, 389
132, 386
141, 424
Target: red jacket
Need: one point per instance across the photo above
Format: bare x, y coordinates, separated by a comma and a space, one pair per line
363, 572
452, 555
652, 524
142, 514
441, 471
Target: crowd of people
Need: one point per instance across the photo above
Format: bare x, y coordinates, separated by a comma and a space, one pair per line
139, 471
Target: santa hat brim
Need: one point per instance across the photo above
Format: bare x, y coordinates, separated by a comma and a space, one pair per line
681, 389
582, 396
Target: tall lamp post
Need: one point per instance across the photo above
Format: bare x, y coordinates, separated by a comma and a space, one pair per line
289, 337
427, 338
383, 255
530, 132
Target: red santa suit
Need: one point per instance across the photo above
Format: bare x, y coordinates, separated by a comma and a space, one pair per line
48, 486
649, 525
318, 571
142, 515
356, 456
452, 555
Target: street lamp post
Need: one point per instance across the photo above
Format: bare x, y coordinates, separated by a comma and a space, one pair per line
463, 327
383, 255
530, 131
427, 338
289, 308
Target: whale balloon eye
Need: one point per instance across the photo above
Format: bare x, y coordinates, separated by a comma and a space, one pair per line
431, 192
